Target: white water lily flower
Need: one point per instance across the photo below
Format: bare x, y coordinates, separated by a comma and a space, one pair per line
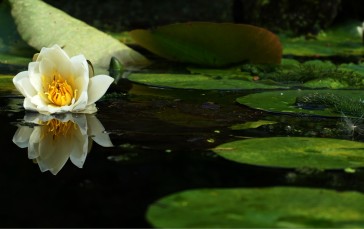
56, 83
360, 30
51, 140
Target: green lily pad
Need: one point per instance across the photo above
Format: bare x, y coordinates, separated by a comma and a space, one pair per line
6, 85
278, 207
340, 40
284, 101
252, 125
295, 152
42, 25
211, 44
312, 74
197, 81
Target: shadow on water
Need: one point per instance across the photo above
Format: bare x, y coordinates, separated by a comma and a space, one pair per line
162, 144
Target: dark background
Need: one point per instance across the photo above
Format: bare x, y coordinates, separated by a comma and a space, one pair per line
298, 16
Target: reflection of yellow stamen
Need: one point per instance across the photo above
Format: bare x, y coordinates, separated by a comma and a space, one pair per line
59, 92
57, 128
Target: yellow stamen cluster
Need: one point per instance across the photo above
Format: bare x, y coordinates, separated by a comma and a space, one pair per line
60, 92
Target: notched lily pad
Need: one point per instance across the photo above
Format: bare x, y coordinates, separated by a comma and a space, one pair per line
295, 152
211, 44
278, 207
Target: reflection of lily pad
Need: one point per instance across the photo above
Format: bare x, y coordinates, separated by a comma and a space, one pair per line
278, 207
184, 119
284, 101
295, 152
252, 125
204, 82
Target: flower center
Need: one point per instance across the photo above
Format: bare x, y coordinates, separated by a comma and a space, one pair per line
60, 92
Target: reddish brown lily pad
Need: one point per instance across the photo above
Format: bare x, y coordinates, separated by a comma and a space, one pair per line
211, 44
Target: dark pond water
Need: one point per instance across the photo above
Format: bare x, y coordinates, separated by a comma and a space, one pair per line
162, 144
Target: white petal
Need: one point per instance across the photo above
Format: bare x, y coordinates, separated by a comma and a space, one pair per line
22, 83
59, 57
22, 135
47, 69
98, 86
35, 76
81, 102
28, 105
97, 131
80, 73
90, 109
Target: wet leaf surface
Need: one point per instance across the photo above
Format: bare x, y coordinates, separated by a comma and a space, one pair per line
295, 152
284, 101
258, 208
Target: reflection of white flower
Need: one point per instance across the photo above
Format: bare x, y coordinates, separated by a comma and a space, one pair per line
54, 139
360, 29
55, 83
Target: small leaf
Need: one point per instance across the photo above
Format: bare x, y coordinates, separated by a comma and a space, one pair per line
277, 207
295, 152
211, 44
42, 25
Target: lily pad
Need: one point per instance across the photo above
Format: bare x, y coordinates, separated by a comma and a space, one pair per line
278, 207
197, 81
7, 86
295, 152
340, 40
211, 44
284, 101
42, 25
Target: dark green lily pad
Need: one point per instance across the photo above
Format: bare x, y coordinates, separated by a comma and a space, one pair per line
284, 101
211, 44
278, 207
197, 81
295, 152
340, 40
